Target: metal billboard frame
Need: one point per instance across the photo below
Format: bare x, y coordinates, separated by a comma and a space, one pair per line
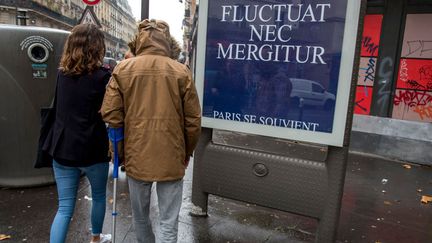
286, 180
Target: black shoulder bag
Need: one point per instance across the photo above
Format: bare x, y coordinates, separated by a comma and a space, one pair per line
48, 114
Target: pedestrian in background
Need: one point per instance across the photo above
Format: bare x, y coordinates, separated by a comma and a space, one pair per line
154, 98
128, 55
79, 141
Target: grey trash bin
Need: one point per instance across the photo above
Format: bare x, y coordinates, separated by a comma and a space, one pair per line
28, 69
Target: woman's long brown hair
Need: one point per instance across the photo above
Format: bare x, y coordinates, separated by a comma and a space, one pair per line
83, 51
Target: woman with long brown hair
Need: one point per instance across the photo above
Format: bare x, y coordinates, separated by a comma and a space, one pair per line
79, 138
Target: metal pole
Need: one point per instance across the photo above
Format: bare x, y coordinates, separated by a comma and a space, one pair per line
199, 196
115, 176
114, 211
337, 157
144, 9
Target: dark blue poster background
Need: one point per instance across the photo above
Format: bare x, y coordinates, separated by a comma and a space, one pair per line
274, 63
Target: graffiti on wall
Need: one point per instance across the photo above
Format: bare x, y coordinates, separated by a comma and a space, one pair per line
417, 42
363, 101
413, 105
418, 48
413, 95
367, 71
385, 73
415, 74
368, 61
365, 83
371, 35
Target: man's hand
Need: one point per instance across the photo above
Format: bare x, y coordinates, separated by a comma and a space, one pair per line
120, 152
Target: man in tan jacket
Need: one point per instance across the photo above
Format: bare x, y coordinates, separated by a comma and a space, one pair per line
154, 98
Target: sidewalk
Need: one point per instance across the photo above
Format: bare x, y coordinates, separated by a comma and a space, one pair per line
381, 203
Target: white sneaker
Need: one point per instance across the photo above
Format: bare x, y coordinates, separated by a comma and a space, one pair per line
104, 238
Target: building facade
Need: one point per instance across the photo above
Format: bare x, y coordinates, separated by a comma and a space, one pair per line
189, 26
115, 17
393, 105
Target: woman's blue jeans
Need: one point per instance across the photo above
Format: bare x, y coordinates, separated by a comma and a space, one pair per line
67, 179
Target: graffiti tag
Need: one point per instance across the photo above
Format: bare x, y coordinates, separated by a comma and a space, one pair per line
412, 98
403, 71
415, 85
426, 72
385, 73
419, 47
369, 70
359, 104
424, 111
370, 46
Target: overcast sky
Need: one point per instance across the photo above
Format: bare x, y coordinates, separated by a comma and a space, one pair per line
171, 11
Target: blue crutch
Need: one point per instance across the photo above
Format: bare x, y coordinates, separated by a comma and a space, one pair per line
115, 135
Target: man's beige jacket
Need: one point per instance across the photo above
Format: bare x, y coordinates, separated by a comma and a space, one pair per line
154, 98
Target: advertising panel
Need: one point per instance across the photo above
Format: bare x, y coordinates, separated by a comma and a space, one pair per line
277, 68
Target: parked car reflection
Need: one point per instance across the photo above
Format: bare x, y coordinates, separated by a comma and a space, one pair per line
310, 93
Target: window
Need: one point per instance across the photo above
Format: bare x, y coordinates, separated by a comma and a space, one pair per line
317, 88
368, 61
413, 94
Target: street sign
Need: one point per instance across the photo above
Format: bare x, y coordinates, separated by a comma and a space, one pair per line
89, 17
278, 70
91, 2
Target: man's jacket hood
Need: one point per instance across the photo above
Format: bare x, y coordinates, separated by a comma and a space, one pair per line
153, 39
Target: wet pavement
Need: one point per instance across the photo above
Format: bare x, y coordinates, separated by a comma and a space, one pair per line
381, 203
